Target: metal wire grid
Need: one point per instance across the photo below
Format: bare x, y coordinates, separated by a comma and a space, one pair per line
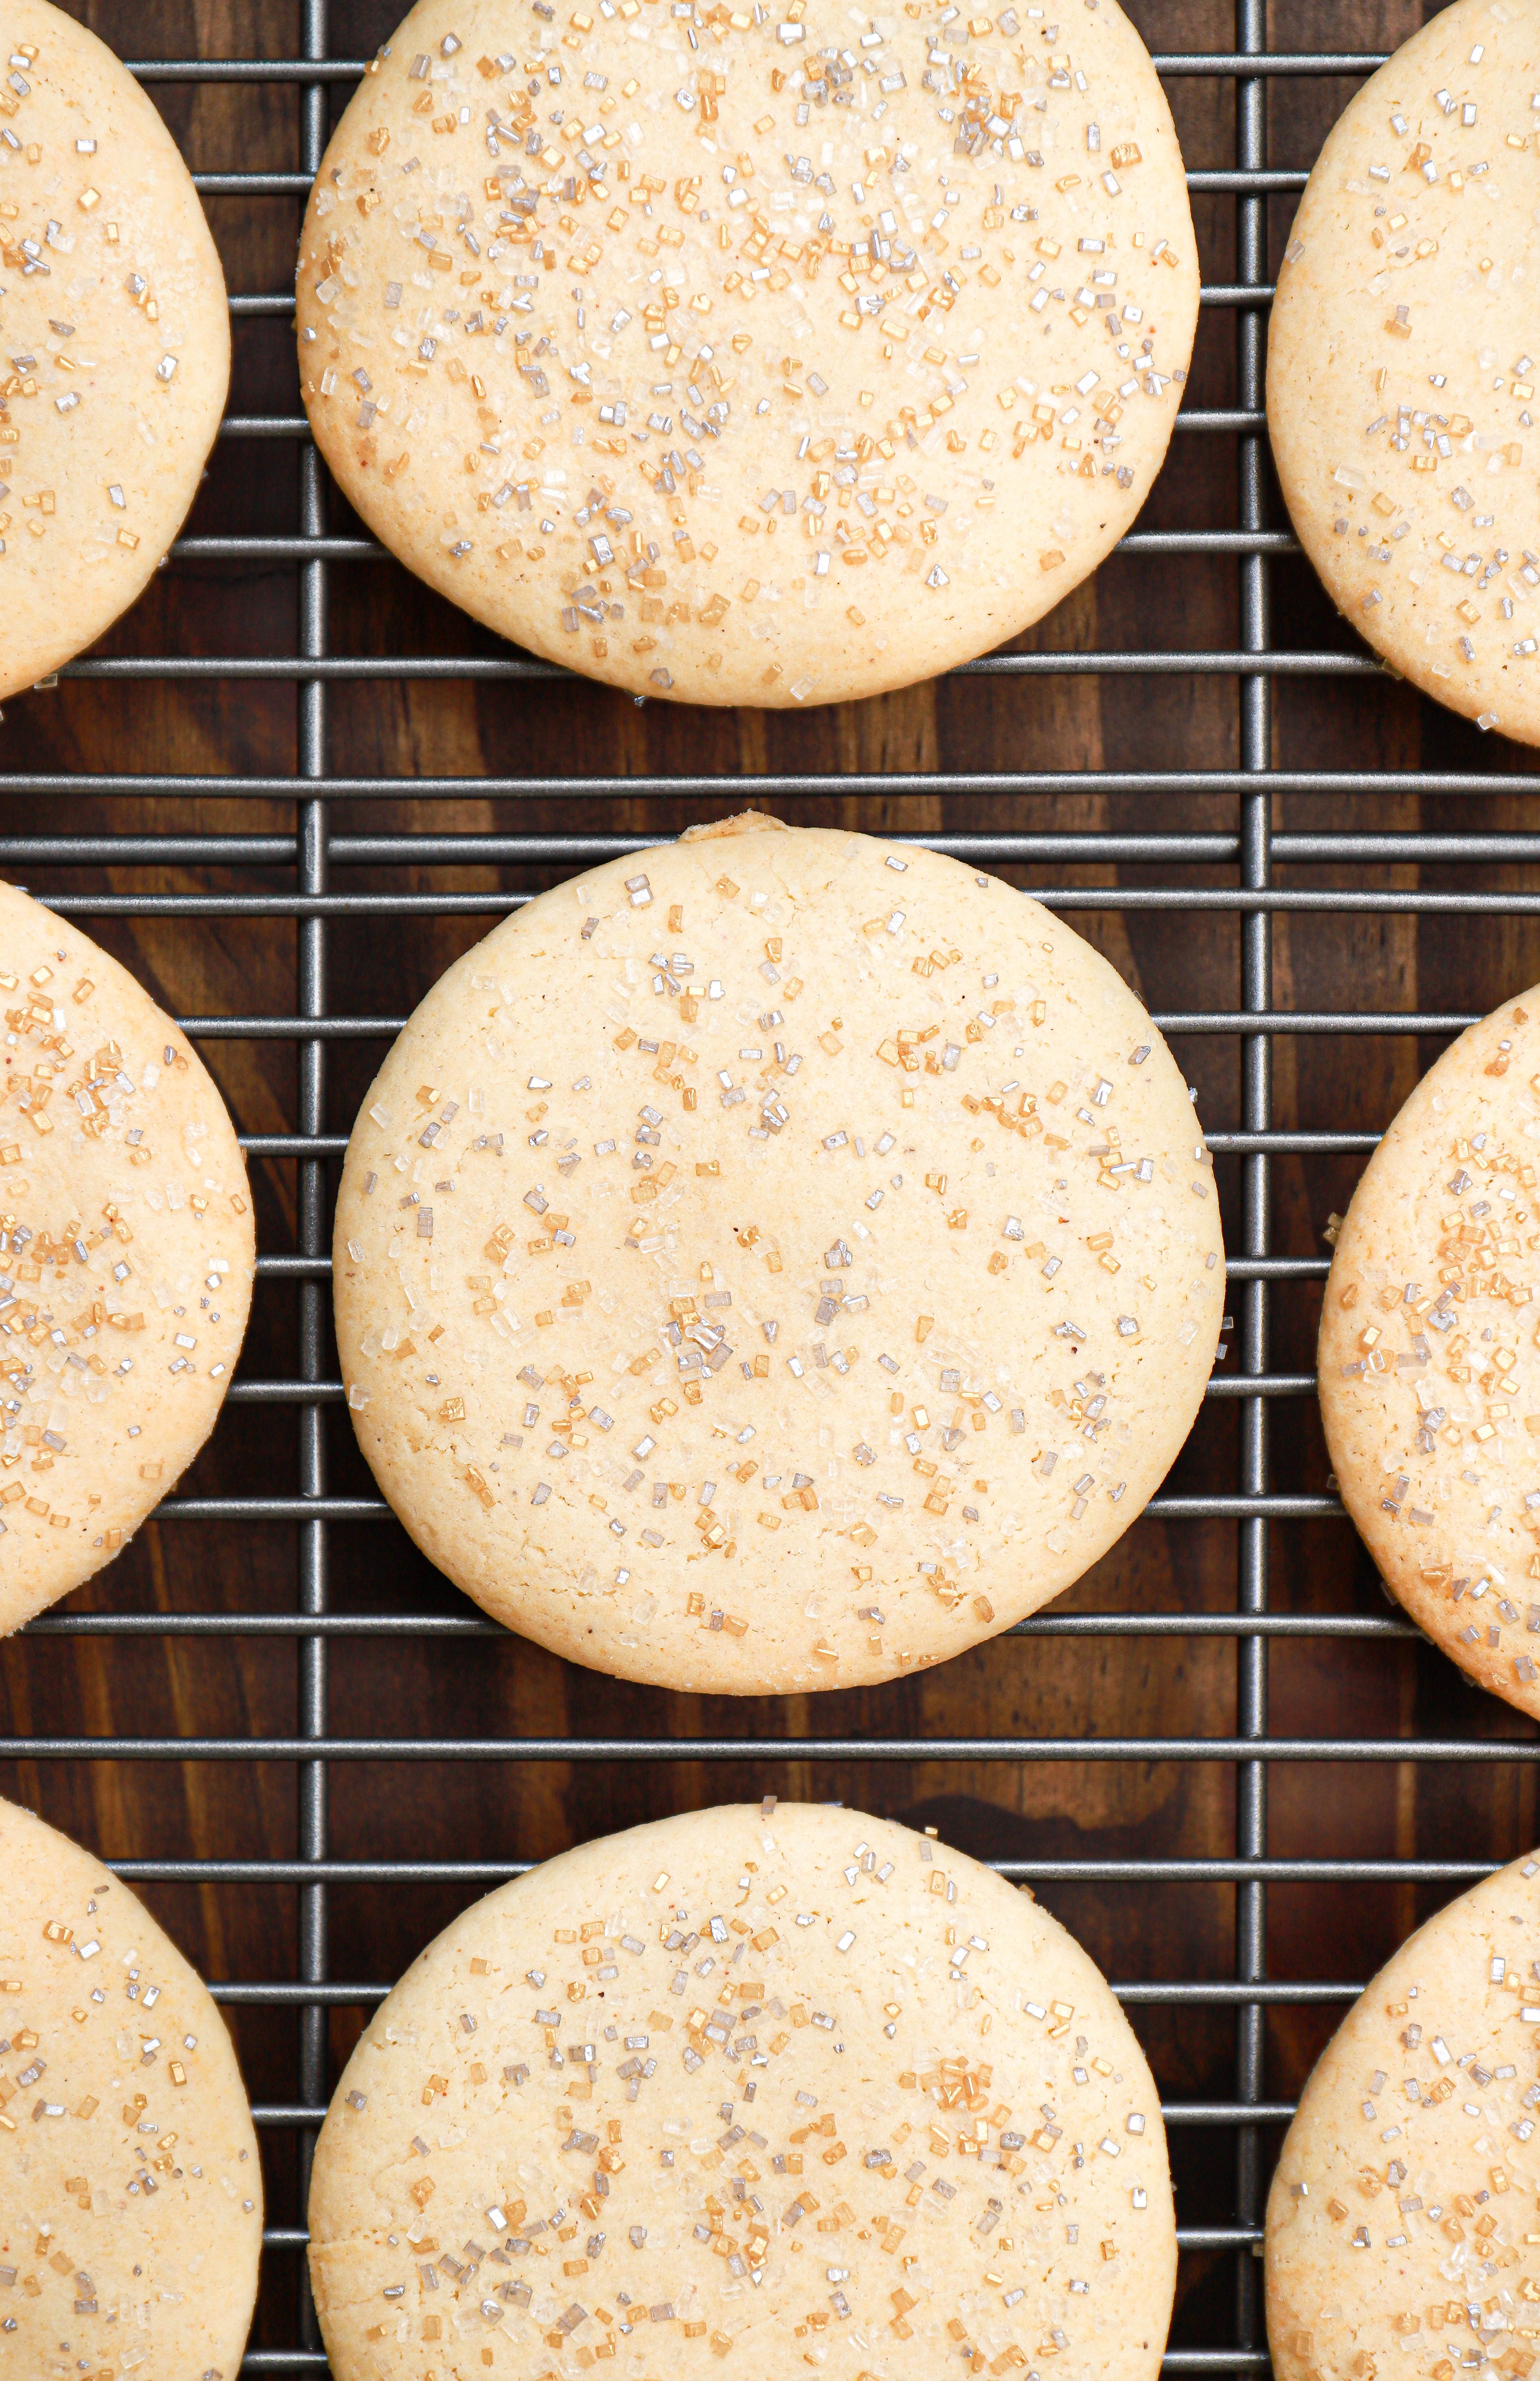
1253, 851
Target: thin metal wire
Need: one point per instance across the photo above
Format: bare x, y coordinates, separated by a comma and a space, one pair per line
264, 185
373, 1508
295, 425
489, 668
304, 879
579, 850
1256, 1103
1250, 1749
1235, 1144
1099, 850
1035, 1872
1176, 2360
292, 2116
1159, 542
1222, 1022
307, 1391
1217, 901
313, 1235
1195, 1996
256, 304
1167, 61
1048, 1624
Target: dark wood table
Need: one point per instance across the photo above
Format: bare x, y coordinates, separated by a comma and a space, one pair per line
576, 758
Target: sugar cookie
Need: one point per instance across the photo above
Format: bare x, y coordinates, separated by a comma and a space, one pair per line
127, 1256
774, 1261
694, 2091
115, 341
1429, 1374
669, 343
1396, 2223
1400, 391
131, 2189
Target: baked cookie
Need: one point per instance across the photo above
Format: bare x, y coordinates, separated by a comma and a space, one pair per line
620, 350
127, 1256
1400, 395
114, 340
614, 2103
131, 2189
774, 1261
1401, 2213
1429, 1374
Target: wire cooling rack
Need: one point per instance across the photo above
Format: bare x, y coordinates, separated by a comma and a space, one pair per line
1247, 852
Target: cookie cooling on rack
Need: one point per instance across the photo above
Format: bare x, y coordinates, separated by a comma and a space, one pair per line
1400, 2222
774, 1261
1429, 1373
1400, 381
114, 340
688, 2097
130, 2186
127, 1256
749, 358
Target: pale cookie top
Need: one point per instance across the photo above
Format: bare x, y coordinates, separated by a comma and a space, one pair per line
1400, 391
750, 356
127, 1256
131, 2190
745, 2085
1400, 2222
774, 1261
1428, 1363
114, 340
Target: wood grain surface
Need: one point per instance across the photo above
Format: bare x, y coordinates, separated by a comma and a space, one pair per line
395, 728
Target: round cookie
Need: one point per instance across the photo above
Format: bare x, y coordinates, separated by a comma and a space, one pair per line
773, 1261
1401, 2213
115, 341
130, 2188
127, 1256
1428, 1361
828, 2075
1400, 396
749, 356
